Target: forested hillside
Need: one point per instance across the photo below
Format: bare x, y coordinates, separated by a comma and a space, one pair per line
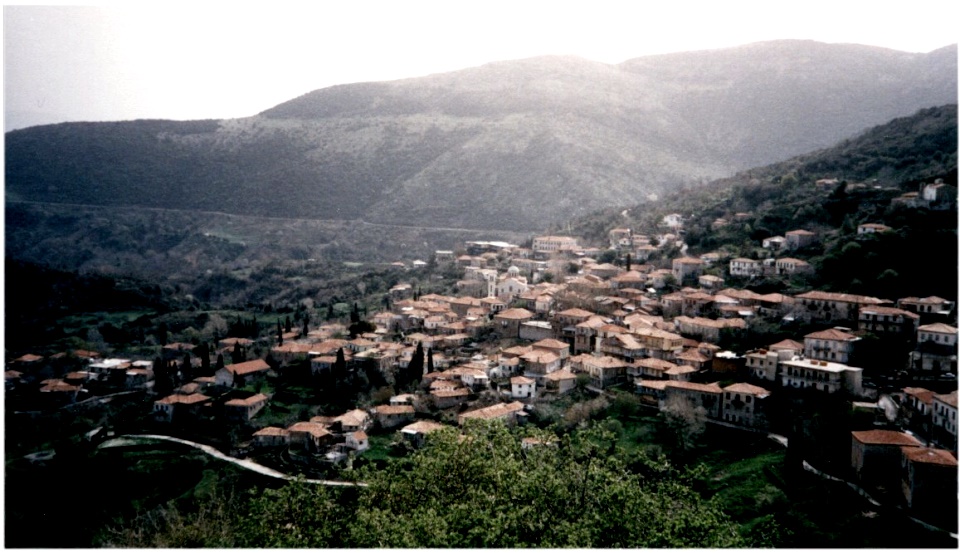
860, 177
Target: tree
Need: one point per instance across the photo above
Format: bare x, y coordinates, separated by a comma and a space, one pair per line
494, 492
238, 355
279, 333
219, 364
415, 368
288, 326
162, 381
684, 422
203, 351
340, 369
430, 368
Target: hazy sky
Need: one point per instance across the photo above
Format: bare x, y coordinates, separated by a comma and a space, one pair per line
223, 60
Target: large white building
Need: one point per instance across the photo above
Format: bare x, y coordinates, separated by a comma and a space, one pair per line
824, 376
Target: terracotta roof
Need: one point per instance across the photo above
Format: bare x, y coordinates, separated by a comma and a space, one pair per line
515, 313
185, 399
832, 334
923, 394
272, 431
744, 388
456, 392
421, 427
885, 437
928, 455
831, 296
493, 411
540, 356
787, 344
248, 367
949, 399
521, 380
654, 363
562, 374
939, 327
246, 402
312, 428
28, 358
550, 343
713, 388
655, 384
394, 409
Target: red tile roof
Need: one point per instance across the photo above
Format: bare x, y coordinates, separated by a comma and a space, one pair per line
928, 455
885, 437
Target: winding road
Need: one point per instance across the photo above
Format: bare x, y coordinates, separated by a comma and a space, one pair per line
213, 452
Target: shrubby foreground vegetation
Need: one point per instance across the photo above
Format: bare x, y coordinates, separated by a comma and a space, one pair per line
479, 489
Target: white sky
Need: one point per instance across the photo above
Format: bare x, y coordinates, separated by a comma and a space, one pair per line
202, 60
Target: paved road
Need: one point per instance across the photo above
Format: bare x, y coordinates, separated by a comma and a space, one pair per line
213, 452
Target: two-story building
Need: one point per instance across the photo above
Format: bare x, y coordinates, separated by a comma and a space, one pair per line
834, 345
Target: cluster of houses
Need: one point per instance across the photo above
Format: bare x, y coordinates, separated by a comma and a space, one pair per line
512, 338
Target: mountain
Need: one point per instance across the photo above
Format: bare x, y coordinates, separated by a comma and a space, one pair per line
512, 145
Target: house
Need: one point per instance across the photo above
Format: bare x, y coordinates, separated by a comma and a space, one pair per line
871, 228
945, 419
552, 244
651, 392
936, 349
831, 306
241, 374
509, 413
774, 243
309, 436
793, 266
743, 404
687, 269
707, 396
743, 267
242, 410
825, 376
535, 330
562, 349
540, 362
925, 306
930, 481
763, 364
707, 330
796, 239
560, 382
357, 441
710, 282
508, 321
603, 370
523, 388
585, 334
875, 455
888, 321
354, 420
178, 407
416, 433
830, 345
449, 397
389, 416
271, 436
916, 408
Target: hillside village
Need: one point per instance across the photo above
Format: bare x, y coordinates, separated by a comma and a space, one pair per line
531, 325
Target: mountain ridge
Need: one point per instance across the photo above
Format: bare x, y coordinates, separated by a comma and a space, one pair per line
517, 145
